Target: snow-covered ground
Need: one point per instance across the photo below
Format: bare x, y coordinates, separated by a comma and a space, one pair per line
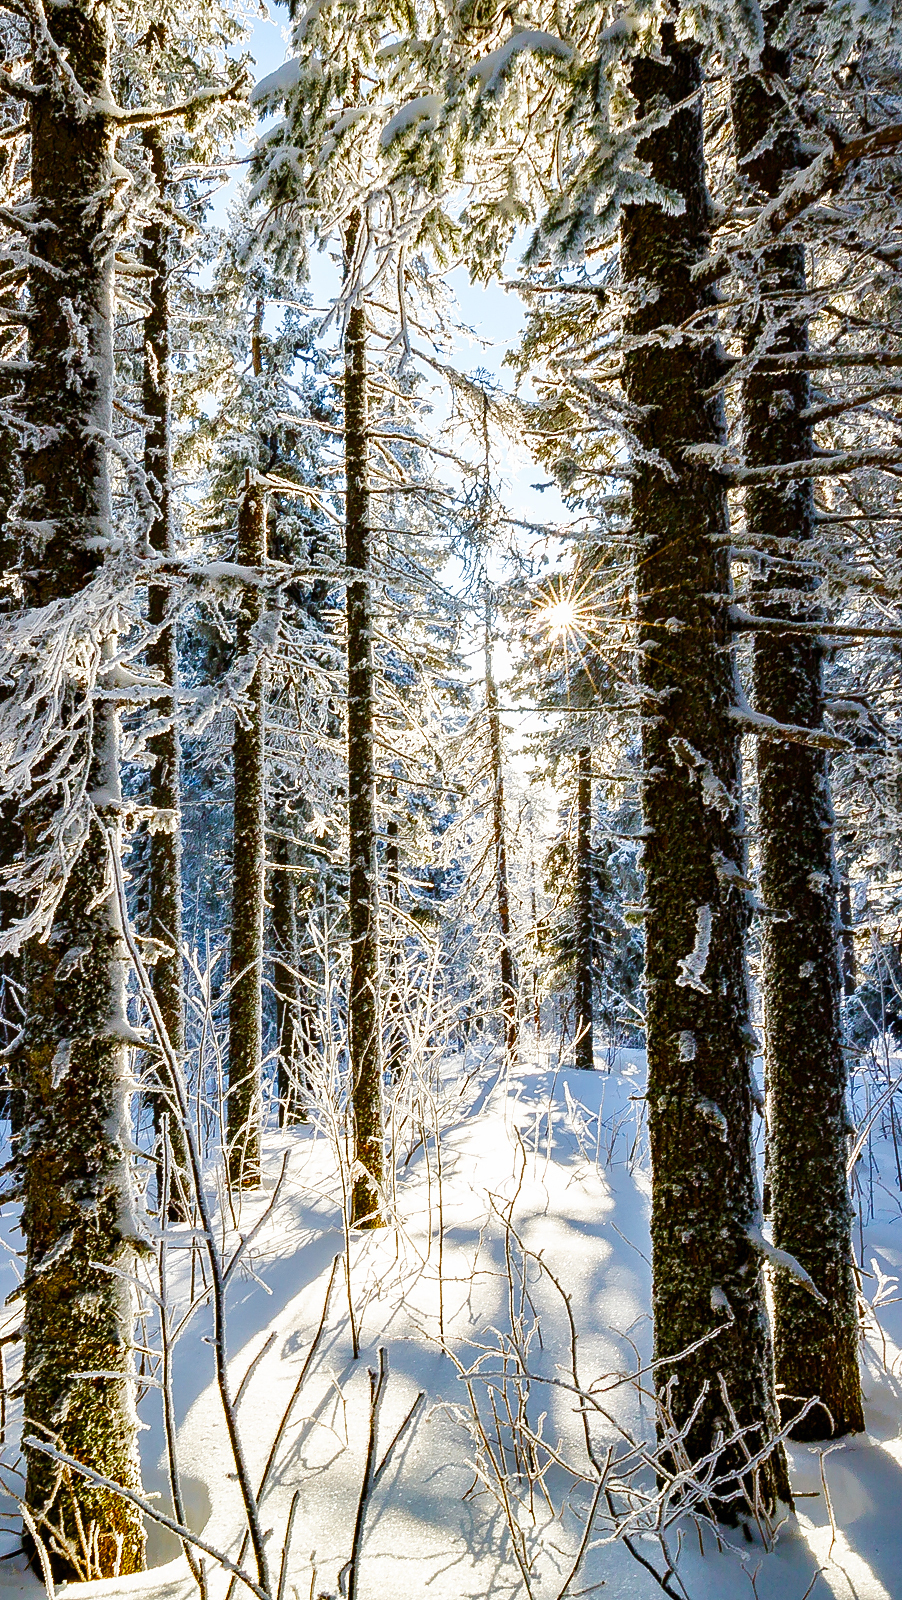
562, 1157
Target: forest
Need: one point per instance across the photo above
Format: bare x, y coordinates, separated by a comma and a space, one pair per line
451, 799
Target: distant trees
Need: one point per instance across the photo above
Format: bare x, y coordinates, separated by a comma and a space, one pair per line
508, 985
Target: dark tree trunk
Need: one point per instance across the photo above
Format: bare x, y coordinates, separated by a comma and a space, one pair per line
394, 1033
847, 937
507, 971
536, 993
364, 1026
165, 885
292, 1085
248, 871
12, 997
73, 1151
706, 1270
815, 1345
584, 1049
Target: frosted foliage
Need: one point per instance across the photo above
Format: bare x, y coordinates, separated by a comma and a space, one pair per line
467, 129
65, 672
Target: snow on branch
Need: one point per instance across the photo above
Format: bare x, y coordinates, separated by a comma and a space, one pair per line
782, 1258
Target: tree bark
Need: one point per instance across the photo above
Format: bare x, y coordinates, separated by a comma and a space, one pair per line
584, 1049
73, 1147
165, 878
815, 1345
394, 1033
506, 967
248, 872
706, 1271
12, 973
364, 1025
291, 1075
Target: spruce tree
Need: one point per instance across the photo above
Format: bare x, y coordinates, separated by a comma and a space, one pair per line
815, 1338
507, 972
707, 1272
584, 1049
165, 876
73, 1149
364, 1025
245, 1100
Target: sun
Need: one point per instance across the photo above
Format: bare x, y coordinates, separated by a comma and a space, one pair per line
558, 617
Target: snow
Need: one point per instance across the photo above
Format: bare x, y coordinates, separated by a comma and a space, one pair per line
280, 82
563, 1155
490, 70
425, 108
783, 1258
692, 966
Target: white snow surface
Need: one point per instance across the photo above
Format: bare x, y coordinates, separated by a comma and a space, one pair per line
567, 1150
280, 82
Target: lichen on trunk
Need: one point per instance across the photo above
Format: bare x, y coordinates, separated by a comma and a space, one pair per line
248, 869
364, 1025
72, 1147
815, 1344
707, 1277
165, 877
584, 1049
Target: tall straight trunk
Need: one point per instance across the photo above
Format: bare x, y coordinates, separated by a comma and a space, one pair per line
815, 1344
506, 968
705, 1210
848, 960
394, 1044
584, 1049
73, 1151
364, 1025
11, 970
248, 871
291, 1072
165, 885
536, 994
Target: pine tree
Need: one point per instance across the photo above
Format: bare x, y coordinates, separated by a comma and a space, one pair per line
705, 1210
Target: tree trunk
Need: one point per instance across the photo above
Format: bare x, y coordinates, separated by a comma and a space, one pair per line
584, 1050
165, 885
73, 1151
506, 968
12, 1010
248, 872
706, 1270
848, 960
364, 1026
815, 1345
394, 1041
293, 1089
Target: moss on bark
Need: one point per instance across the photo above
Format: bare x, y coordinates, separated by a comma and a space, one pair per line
77, 1213
364, 1026
707, 1277
248, 872
815, 1345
